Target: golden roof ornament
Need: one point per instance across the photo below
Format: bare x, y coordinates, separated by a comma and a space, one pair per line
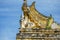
32, 15
36, 26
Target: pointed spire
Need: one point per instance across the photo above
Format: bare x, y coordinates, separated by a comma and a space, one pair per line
50, 15
25, 2
33, 5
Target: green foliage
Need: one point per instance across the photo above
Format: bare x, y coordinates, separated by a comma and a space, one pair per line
48, 27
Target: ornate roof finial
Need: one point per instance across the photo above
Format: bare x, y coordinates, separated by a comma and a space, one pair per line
24, 0
51, 15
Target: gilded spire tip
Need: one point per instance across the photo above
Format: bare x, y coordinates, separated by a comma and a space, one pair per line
25, 0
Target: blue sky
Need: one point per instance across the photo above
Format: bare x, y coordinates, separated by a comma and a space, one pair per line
10, 11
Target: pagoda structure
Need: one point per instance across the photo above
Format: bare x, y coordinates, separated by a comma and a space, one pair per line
36, 26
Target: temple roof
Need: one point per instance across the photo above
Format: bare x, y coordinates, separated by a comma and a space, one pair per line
34, 16
33, 7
